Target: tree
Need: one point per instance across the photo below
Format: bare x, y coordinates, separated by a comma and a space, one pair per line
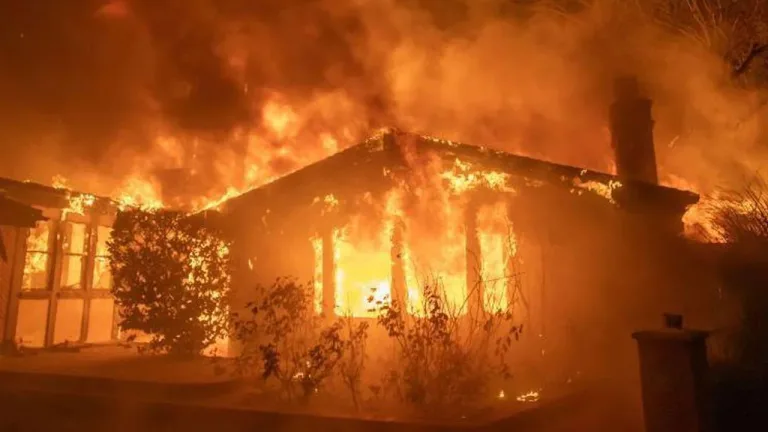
171, 279
740, 219
735, 30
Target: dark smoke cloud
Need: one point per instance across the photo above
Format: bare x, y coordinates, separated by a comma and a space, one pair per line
88, 86
87, 80
67, 79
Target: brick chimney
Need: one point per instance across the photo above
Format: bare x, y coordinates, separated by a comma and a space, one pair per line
632, 133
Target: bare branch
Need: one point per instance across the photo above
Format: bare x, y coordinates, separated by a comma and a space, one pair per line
755, 50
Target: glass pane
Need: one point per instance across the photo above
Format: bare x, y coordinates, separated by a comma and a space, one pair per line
31, 323
35, 271
100, 320
69, 320
102, 237
72, 271
102, 278
75, 237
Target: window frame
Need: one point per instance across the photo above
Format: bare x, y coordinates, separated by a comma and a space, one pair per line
84, 256
26, 233
54, 291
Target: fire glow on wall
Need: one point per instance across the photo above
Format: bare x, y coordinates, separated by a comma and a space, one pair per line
374, 262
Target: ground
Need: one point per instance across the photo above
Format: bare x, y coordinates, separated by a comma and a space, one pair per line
115, 388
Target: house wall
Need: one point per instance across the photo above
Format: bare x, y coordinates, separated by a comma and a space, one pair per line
9, 238
264, 251
591, 272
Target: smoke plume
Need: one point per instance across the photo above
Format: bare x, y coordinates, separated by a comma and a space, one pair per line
195, 97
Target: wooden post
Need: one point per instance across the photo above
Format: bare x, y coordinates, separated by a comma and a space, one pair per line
87, 280
473, 261
399, 283
329, 274
54, 281
17, 258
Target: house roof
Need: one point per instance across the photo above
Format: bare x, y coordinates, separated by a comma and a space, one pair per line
14, 213
361, 166
39, 195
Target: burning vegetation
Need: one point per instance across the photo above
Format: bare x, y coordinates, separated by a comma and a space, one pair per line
171, 281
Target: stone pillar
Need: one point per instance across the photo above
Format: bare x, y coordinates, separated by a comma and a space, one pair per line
673, 373
632, 133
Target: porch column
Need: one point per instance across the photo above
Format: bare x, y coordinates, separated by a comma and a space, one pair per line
329, 274
399, 285
474, 262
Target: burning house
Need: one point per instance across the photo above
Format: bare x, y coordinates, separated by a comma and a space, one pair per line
554, 244
54, 280
493, 231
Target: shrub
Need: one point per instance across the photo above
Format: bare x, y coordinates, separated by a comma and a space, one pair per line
444, 358
284, 339
171, 280
352, 364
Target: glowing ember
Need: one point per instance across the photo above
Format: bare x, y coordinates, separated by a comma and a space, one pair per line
531, 396
464, 177
502, 395
78, 204
604, 190
330, 202
215, 204
60, 182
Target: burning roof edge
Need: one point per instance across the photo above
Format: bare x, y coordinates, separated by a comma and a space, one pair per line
385, 141
15, 213
36, 194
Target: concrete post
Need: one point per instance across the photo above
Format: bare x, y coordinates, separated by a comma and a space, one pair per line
673, 373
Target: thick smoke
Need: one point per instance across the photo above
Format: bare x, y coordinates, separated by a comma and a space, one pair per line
199, 95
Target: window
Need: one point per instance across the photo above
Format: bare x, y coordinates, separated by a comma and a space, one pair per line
36, 260
75, 247
102, 278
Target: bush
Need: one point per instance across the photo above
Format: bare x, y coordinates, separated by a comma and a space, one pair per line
283, 338
171, 280
434, 358
444, 359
